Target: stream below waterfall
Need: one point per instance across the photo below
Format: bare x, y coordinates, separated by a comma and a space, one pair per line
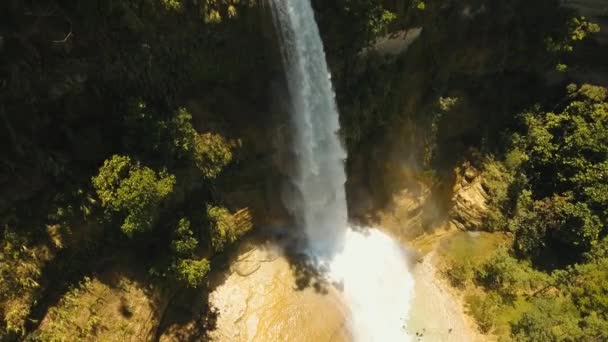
375, 290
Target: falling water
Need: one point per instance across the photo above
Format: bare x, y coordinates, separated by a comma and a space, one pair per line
320, 203
377, 284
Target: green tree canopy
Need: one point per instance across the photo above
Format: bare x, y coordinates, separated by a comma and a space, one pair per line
192, 271
559, 194
549, 319
212, 153
184, 243
135, 191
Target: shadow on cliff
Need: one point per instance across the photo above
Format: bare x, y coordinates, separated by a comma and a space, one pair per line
114, 295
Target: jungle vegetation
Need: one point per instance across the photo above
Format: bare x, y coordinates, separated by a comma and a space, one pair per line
125, 125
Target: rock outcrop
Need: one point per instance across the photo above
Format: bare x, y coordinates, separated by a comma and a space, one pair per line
404, 218
470, 199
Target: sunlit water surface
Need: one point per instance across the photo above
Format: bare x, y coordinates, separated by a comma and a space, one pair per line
373, 270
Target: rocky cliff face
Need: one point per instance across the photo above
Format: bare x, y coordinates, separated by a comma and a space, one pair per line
469, 200
404, 217
417, 209
490, 58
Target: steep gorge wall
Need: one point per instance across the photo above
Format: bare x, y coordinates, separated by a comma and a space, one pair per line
410, 119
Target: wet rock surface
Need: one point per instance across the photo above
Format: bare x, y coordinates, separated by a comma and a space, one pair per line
261, 299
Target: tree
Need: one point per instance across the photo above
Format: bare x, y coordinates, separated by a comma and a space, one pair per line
556, 203
506, 275
185, 243
562, 200
211, 154
132, 190
182, 134
586, 284
186, 267
548, 320
555, 220
192, 271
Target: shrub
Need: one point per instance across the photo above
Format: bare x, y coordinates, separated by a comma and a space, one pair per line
192, 272
484, 309
225, 227
459, 274
549, 319
504, 274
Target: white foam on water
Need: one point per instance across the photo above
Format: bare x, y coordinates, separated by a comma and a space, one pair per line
378, 285
371, 266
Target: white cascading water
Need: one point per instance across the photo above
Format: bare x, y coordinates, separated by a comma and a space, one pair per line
320, 202
370, 265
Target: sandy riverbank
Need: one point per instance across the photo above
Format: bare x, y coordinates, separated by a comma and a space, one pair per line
438, 311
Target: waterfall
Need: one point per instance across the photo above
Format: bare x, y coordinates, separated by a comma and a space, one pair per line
377, 284
319, 202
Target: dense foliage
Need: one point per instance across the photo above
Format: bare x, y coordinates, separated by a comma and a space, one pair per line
100, 156
554, 189
121, 124
132, 190
549, 192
